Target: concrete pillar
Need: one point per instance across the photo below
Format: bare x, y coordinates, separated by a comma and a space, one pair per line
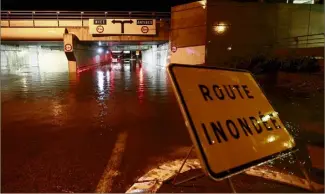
72, 66
68, 40
80, 55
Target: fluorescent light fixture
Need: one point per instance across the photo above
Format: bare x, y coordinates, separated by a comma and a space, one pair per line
116, 51
126, 52
303, 2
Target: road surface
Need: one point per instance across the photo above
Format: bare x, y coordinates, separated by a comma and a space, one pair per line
101, 130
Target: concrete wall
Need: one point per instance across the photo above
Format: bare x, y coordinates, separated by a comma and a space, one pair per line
49, 30
44, 23
84, 35
214, 31
81, 54
32, 34
16, 59
256, 25
86, 56
194, 55
156, 55
188, 33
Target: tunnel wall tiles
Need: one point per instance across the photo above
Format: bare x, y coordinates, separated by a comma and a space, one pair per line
157, 54
259, 25
32, 58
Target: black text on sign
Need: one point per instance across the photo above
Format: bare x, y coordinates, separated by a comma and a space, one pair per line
231, 122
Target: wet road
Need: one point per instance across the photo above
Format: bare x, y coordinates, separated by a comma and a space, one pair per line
60, 133
102, 129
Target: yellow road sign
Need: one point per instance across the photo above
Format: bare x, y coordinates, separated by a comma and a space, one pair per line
231, 122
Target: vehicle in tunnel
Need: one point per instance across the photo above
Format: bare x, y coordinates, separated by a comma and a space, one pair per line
126, 56
114, 60
116, 56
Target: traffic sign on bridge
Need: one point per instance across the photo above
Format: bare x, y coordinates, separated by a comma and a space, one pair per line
230, 121
123, 26
68, 48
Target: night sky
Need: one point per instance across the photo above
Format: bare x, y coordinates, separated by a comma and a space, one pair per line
92, 5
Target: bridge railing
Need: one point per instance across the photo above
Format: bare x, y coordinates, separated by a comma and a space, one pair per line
304, 41
80, 15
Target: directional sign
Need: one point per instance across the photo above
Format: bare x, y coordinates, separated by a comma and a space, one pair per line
100, 21
230, 121
122, 26
122, 22
144, 22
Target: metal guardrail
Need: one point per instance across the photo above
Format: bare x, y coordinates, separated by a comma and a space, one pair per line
80, 15
304, 41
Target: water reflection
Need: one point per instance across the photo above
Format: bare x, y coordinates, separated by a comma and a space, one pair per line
127, 76
141, 85
95, 106
100, 81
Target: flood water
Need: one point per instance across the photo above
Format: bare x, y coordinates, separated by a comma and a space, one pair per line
60, 131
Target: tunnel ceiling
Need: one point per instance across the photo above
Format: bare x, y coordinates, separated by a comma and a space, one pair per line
131, 45
105, 43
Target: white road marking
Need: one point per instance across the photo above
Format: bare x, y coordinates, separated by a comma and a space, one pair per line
111, 170
153, 180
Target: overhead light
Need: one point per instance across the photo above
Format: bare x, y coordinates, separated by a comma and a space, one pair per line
99, 43
220, 28
126, 51
303, 2
99, 50
116, 51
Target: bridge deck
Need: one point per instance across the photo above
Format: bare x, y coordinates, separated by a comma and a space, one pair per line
71, 18
50, 25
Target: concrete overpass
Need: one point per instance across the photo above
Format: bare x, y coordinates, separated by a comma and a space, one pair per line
51, 25
78, 31
203, 32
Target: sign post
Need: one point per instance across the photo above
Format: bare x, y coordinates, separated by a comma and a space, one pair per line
231, 123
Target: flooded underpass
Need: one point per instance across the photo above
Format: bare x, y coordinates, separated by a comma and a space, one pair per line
102, 129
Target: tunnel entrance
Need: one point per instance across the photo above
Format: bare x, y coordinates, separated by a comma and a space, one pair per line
30, 57
100, 53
